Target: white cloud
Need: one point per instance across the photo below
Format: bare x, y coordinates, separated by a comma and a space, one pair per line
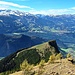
54, 11
73, 8
3, 7
24, 0
8, 5
13, 4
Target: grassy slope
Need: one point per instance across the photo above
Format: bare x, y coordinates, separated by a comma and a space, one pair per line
64, 67
33, 56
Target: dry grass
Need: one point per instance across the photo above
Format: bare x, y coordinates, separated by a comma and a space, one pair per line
64, 67
18, 73
60, 67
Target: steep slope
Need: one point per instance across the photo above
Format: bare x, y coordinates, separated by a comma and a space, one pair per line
62, 68
33, 56
10, 43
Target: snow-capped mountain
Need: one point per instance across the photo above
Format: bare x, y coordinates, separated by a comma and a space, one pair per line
58, 27
16, 21
12, 12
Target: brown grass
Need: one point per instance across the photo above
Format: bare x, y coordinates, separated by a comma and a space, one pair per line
60, 67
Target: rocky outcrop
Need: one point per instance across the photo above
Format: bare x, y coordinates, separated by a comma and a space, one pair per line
54, 44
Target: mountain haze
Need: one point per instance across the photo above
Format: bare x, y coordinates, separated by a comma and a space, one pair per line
10, 43
16, 21
58, 27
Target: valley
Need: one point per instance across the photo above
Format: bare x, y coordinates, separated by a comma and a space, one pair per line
48, 27
32, 38
66, 41
10, 43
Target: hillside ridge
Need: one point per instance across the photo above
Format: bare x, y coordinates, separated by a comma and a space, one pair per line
33, 55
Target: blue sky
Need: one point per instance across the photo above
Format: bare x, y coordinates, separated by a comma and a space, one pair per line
40, 6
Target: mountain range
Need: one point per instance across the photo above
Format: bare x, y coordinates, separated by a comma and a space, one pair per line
16, 21
49, 27
23, 37
10, 43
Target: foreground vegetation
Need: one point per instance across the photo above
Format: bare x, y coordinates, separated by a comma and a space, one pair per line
42, 68
37, 60
32, 55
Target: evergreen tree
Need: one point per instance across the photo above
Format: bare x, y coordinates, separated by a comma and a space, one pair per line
68, 55
41, 64
26, 67
52, 58
59, 56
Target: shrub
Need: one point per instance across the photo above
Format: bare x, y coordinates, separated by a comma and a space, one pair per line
52, 58
68, 55
69, 58
41, 64
59, 56
26, 68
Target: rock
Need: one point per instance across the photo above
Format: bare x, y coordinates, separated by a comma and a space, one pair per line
71, 60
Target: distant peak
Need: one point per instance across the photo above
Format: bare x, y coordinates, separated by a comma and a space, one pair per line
13, 12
